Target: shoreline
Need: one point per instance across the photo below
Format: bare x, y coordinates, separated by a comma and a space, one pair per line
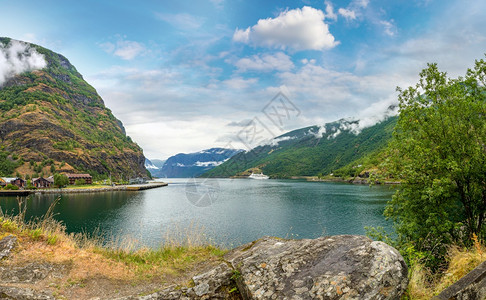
135, 187
351, 180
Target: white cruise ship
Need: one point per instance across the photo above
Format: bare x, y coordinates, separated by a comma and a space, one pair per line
258, 176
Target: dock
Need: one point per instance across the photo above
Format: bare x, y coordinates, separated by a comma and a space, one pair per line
146, 186
133, 187
15, 193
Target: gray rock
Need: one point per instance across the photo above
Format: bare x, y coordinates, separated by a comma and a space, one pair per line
29, 273
23, 294
350, 267
6, 245
213, 284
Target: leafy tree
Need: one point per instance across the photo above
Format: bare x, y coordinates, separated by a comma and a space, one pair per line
7, 166
11, 187
80, 182
60, 180
439, 151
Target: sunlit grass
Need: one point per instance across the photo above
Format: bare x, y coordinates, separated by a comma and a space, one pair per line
424, 285
88, 256
87, 186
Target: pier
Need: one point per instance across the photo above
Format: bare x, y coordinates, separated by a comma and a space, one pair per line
147, 186
133, 187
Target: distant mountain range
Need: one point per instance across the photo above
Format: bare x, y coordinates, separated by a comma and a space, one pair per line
154, 166
185, 165
310, 151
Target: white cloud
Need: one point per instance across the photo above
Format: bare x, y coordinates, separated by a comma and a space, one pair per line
389, 27
354, 9
240, 83
242, 123
307, 61
181, 21
335, 134
347, 14
208, 163
18, 57
330, 94
217, 3
242, 36
320, 132
266, 62
274, 142
330, 14
124, 49
297, 29
361, 3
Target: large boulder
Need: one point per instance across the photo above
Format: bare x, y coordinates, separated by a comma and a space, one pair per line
336, 267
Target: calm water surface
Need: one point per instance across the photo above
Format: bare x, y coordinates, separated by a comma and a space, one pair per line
229, 211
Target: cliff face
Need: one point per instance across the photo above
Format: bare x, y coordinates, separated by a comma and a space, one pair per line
52, 119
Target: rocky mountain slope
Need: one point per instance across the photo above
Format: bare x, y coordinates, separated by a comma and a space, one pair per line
52, 120
310, 151
154, 166
186, 165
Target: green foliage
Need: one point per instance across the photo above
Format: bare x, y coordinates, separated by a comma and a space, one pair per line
439, 152
52, 239
68, 145
36, 233
61, 180
11, 187
302, 154
7, 165
80, 182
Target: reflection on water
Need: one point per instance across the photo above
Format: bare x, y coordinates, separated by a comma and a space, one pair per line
239, 211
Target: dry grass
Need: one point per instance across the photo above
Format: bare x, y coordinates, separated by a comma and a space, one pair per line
423, 285
91, 268
461, 262
419, 286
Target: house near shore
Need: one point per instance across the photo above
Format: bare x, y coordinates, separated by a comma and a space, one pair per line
19, 182
13, 180
137, 180
41, 182
73, 177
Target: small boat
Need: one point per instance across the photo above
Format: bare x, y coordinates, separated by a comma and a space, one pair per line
258, 176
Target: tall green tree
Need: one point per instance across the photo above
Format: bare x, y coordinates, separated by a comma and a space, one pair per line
439, 150
60, 180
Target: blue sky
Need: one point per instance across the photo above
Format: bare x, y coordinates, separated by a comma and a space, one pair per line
188, 75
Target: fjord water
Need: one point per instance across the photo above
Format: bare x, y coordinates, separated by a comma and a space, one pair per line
228, 212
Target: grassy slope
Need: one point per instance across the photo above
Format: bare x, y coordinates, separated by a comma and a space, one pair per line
54, 113
305, 155
88, 269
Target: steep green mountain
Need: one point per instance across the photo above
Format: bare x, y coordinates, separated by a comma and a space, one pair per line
310, 151
52, 120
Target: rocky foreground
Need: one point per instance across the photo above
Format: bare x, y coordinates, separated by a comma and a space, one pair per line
336, 267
